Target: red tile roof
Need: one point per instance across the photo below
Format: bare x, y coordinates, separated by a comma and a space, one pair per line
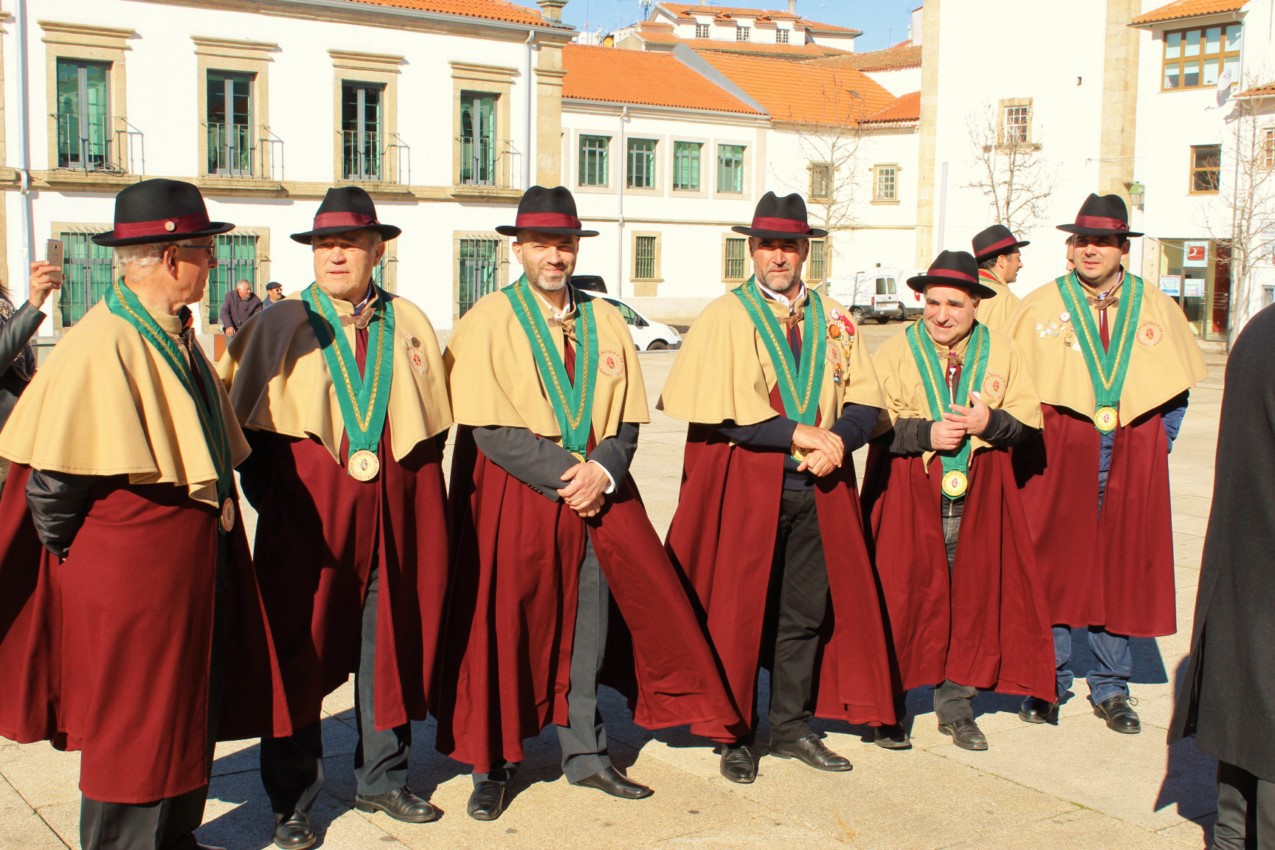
1262, 91
905, 54
1187, 9
803, 93
906, 108
491, 10
782, 51
686, 10
651, 79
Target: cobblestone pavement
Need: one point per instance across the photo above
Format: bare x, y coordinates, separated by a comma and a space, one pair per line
1074, 785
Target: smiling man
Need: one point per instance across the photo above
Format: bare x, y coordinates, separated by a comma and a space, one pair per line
549, 530
967, 611
1113, 361
779, 390
342, 394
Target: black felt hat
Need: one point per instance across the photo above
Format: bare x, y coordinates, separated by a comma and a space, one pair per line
346, 208
953, 268
1101, 215
994, 241
546, 211
159, 210
780, 218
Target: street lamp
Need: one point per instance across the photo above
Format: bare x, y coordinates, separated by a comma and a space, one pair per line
1137, 193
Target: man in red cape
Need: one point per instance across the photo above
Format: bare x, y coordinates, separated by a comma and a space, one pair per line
136, 635
1113, 361
550, 530
778, 390
967, 610
340, 388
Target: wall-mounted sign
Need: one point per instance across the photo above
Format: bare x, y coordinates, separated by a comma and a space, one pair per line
1194, 288
1171, 284
1195, 255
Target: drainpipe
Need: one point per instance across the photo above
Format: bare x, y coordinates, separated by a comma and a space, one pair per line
941, 235
24, 139
526, 157
619, 196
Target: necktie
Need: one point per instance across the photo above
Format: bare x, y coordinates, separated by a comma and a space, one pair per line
1104, 304
794, 338
569, 357
953, 374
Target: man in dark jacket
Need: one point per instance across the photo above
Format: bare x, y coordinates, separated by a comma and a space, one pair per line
240, 306
1228, 694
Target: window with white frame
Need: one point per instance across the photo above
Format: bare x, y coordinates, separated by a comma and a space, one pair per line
781, 36
1015, 121
1268, 148
820, 180
885, 183
743, 33
701, 30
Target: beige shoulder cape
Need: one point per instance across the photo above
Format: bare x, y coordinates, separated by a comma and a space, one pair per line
1007, 385
724, 372
494, 379
107, 403
994, 313
279, 382
1165, 359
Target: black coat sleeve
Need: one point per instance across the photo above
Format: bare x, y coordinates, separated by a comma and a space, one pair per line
17, 332
771, 435
1004, 431
911, 436
58, 503
533, 460
615, 454
855, 424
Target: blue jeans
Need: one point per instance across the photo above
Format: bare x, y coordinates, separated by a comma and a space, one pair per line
1113, 663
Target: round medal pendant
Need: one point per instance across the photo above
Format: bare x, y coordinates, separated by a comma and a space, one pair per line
363, 465
228, 515
955, 484
1106, 419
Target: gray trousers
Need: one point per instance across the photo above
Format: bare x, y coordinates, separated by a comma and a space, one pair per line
583, 740
1245, 810
292, 767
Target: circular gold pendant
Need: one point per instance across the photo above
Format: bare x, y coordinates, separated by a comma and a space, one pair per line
955, 484
363, 465
1106, 419
228, 515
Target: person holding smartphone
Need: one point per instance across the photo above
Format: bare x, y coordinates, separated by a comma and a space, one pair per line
17, 326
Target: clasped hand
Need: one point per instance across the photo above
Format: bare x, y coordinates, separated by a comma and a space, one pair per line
586, 487
958, 422
824, 450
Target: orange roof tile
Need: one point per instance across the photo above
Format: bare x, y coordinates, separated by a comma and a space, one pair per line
1262, 91
491, 10
1187, 9
783, 51
804, 93
686, 10
636, 77
906, 108
905, 54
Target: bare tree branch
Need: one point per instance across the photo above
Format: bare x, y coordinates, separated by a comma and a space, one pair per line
1015, 178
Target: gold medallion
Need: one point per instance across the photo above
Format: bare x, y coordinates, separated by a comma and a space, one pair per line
363, 465
228, 515
955, 484
1106, 419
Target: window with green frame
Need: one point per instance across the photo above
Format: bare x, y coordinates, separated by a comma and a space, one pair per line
686, 159
641, 162
229, 122
235, 259
477, 269
361, 130
87, 272
477, 138
817, 261
644, 253
730, 168
83, 116
735, 258
593, 161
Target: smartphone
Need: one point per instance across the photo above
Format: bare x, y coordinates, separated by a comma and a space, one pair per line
55, 255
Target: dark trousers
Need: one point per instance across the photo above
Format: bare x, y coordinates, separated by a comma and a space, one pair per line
796, 609
292, 767
1245, 810
583, 740
167, 824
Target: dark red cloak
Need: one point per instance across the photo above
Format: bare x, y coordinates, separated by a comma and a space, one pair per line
319, 535
108, 652
511, 617
987, 626
723, 538
1113, 570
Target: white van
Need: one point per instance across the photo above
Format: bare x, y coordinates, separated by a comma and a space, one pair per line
648, 334
880, 293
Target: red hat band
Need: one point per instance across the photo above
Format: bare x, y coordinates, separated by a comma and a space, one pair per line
532, 221
952, 273
192, 223
1004, 243
781, 225
352, 220
1099, 222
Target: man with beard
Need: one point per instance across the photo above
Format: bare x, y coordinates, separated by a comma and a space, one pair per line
778, 390
967, 610
1113, 361
996, 250
549, 528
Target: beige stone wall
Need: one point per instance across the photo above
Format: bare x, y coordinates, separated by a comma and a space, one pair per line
549, 76
926, 202
1120, 99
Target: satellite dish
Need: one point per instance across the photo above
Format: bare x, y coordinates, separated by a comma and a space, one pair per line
1223, 86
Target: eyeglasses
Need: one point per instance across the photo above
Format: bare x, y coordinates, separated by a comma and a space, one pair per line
207, 249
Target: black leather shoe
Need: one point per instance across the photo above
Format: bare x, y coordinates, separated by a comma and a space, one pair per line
965, 734
1119, 714
487, 801
812, 751
294, 832
400, 804
611, 781
738, 764
892, 737
1037, 710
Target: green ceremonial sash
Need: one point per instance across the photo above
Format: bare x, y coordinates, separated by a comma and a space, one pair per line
363, 396
1107, 367
123, 302
933, 374
799, 383
572, 402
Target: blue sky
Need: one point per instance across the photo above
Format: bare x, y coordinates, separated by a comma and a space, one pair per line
884, 22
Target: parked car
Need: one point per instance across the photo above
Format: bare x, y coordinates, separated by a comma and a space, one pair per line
648, 334
880, 293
